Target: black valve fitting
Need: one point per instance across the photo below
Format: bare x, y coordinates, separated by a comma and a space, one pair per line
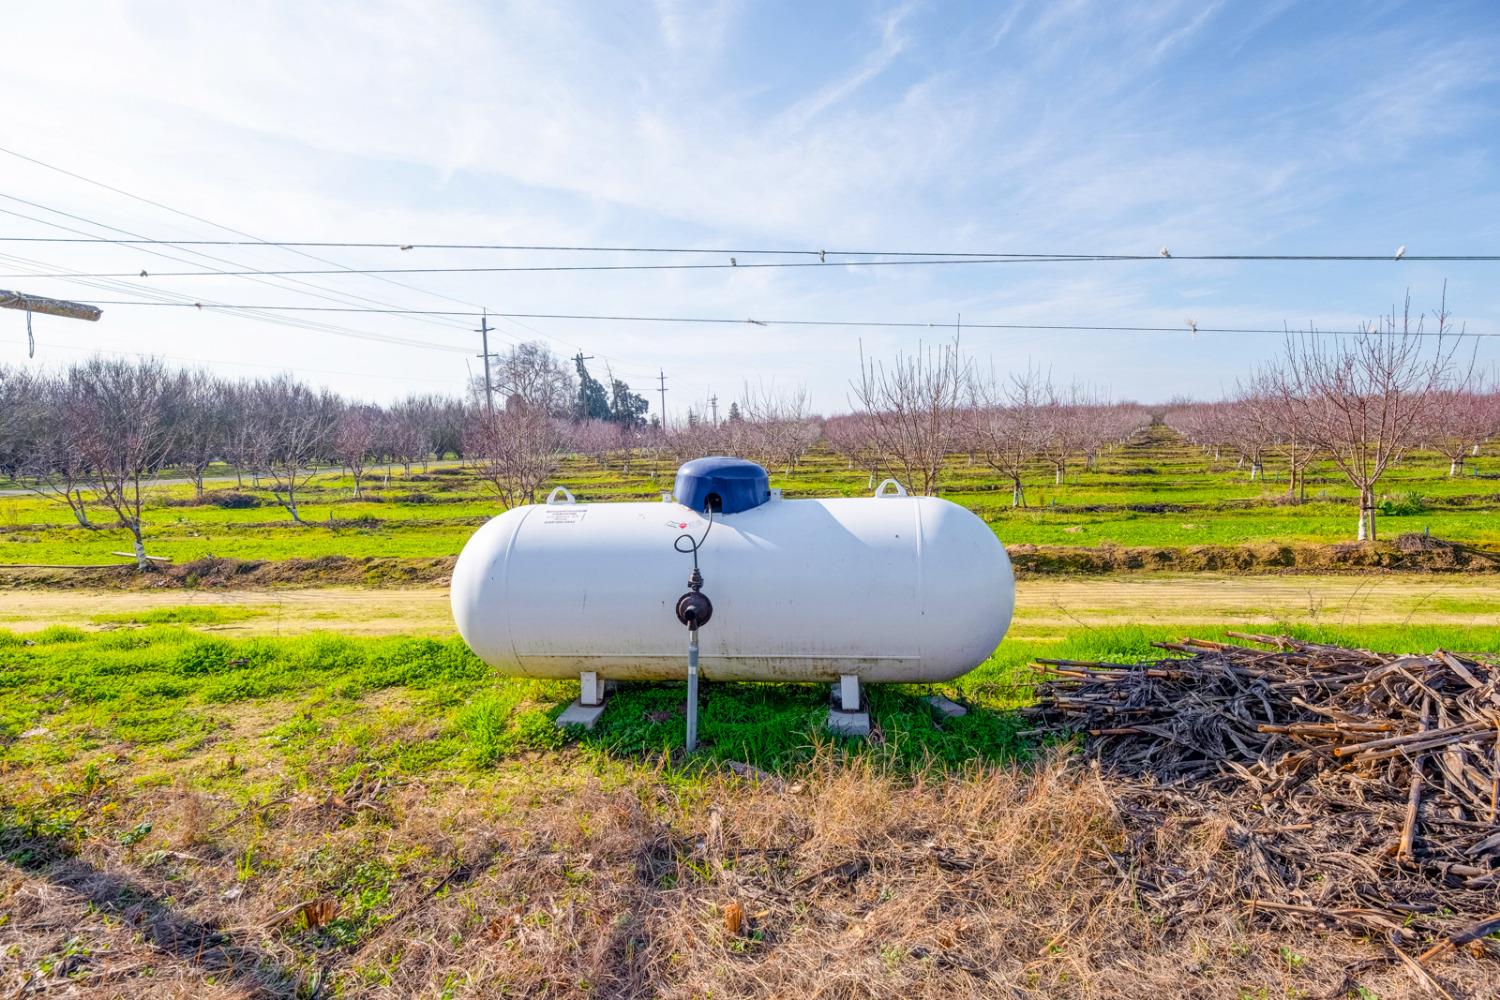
694, 609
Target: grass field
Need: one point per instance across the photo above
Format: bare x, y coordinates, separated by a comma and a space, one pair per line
318, 791
198, 815
1154, 491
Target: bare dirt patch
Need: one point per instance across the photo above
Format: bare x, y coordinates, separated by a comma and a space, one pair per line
1065, 602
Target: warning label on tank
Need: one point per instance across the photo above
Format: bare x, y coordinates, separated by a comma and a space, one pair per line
564, 516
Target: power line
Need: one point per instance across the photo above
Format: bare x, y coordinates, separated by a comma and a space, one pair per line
891, 324
298, 369
316, 291
154, 297
732, 266
159, 296
552, 267
988, 256
250, 240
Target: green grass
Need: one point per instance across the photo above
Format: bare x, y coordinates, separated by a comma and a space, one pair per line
186, 614
414, 704
423, 516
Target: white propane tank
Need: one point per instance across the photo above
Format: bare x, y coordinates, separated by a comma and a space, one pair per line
891, 588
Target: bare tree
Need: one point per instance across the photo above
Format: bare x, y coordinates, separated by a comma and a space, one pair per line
1460, 422
533, 375
16, 398
913, 406
47, 453
242, 432
775, 426
850, 436
1249, 425
406, 432
1068, 426
1105, 424
354, 440
1006, 425
1202, 424
129, 414
203, 427
1364, 400
293, 424
517, 451
596, 439
691, 439
1262, 403
445, 425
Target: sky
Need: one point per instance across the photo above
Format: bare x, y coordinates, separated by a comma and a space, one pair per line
1025, 127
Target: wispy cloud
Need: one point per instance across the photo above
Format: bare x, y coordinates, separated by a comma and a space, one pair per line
892, 44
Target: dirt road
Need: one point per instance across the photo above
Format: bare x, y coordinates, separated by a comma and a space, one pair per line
1042, 604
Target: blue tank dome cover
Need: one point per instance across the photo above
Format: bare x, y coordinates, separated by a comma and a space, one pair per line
728, 485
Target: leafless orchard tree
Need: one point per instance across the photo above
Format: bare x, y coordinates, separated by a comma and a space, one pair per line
202, 431
1461, 421
1364, 400
48, 455
1067, 415
517, 451
129, 417
404, 433
444, 418
1201, 424
1248, 426
850, 435
354, 437
241, 432
15, 388
292, 427
1264, 404
1006, 424
1110, 424
776, 428
597, 439
691, 439
912, 406
632, 437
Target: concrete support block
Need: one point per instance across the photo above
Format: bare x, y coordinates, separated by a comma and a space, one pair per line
848, 723
579, 714
592, 693
845, 717
946, 708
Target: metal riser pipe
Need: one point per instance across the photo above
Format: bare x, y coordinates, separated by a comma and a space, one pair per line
692, 692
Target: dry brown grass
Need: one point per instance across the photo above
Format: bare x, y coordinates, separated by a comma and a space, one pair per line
569, 877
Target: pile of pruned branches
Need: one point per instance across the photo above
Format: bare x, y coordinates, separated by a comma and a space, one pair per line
1344, 788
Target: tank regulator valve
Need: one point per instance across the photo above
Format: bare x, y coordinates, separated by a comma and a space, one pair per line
694, 609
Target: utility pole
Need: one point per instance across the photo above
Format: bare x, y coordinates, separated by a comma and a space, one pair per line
713, 402
489, 385
661, 379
